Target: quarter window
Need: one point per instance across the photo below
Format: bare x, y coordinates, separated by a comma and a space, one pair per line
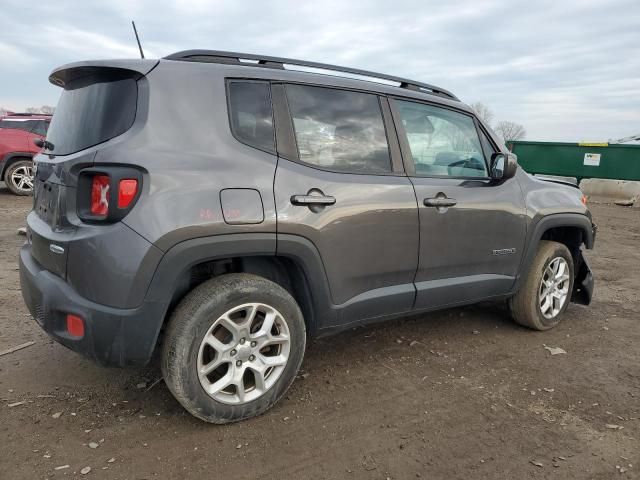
41, 127
339, 130
442, 142
251, 114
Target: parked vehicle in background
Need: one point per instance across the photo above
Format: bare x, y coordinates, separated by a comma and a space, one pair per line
17, 134
220, 207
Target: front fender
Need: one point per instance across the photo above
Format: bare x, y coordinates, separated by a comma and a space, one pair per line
546, 223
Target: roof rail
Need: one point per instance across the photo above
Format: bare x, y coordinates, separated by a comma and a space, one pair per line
248, 59
27, 114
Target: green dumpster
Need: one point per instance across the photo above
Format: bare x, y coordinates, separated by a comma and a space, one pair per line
579, 160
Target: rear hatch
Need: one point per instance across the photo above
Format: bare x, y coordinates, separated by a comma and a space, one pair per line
98, 103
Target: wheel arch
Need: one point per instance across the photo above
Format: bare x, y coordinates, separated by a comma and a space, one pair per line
10, 159
295, 265
570, 229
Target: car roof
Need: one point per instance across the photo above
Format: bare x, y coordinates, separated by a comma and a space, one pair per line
321, 78
264, 61
231, 65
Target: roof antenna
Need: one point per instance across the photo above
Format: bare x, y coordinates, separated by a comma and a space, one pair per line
137, 38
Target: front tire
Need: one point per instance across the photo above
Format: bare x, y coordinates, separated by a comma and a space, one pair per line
19, 177
546, 293
233, 347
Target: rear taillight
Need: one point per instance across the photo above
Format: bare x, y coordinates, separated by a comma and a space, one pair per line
127, 190
100, 185
106, 194
75, 326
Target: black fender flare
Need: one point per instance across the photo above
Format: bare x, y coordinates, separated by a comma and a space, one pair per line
184, 255
576, 220
306, 255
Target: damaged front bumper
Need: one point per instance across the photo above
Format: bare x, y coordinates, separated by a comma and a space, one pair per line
583, 283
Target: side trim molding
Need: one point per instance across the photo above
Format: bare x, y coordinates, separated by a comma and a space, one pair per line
452, 291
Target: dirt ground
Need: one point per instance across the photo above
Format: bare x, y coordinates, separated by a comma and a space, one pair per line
459, 394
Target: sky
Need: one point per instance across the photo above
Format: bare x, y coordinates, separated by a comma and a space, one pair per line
568, 70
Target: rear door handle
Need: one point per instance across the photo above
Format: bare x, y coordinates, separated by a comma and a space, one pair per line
310, 200
439, 202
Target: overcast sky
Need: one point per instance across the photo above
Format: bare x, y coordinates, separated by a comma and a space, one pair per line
566, 70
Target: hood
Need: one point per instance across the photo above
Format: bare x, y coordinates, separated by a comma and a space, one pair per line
569, 181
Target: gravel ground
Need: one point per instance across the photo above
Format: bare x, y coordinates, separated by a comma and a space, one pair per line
462, 393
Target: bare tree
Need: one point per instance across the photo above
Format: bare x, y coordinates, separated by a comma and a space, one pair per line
483, 111
44, 109
510, 131
4, 111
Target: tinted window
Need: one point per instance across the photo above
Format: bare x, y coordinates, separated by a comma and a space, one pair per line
92, 111
24, 125
486, 145
442, 142
339, 130
41, 127
251, 114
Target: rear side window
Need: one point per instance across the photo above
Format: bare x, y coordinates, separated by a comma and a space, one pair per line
339, 130
251, 115
92, 110
24, 125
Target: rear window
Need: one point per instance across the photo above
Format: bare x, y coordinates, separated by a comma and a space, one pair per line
91, 111
251, 114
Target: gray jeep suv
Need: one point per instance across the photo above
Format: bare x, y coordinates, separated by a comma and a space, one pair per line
221, 207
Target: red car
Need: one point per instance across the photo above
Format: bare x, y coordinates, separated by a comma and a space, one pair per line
17, 133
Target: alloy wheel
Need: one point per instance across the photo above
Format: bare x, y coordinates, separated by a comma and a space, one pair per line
22, 178
243, 353
554, 288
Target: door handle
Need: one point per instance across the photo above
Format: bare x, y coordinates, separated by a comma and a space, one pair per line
439, 202
310, 200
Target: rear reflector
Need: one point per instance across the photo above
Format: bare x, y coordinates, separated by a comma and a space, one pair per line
75, 326
127, 189
100, 195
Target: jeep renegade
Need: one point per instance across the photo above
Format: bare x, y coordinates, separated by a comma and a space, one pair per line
222, 207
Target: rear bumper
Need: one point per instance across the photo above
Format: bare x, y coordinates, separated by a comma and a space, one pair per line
113, 337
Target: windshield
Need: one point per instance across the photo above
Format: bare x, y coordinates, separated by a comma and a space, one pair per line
91, 111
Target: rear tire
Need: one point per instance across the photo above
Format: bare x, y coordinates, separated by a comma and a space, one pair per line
546, 292
19, 177
233, 347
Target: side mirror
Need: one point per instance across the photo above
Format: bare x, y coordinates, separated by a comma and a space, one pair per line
503, 166
39, 142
